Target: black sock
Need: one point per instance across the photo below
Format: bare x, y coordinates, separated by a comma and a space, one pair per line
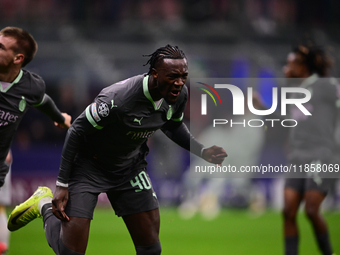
291, 245
324, 243
52, 227
46, 211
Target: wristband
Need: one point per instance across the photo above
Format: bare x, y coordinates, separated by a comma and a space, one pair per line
64, 185
202, 151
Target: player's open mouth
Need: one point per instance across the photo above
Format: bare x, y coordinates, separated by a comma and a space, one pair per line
175, 93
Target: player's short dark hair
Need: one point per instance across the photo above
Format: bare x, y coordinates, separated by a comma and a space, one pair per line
168, 51
315, 58
25, 42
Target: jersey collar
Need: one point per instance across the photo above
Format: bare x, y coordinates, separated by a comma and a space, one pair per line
14, 82
147, 93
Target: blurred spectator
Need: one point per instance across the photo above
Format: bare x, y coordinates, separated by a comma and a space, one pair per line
92, 12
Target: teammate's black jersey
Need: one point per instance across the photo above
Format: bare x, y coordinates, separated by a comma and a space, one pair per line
313, 137
27, 90
122, 117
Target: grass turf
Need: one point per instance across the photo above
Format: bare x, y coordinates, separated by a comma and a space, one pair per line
234, 232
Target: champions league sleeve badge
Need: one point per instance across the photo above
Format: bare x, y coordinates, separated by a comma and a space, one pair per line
103, 110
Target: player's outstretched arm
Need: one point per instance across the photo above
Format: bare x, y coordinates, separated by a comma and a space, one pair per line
59, 202
179, 133
48, 107
214, 154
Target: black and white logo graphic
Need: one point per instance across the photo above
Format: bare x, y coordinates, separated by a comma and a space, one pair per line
103, 110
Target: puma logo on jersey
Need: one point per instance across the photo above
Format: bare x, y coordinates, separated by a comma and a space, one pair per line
138, 121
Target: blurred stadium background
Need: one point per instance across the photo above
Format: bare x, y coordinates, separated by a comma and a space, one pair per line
87, 45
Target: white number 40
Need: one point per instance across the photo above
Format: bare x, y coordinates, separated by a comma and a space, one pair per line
142, 181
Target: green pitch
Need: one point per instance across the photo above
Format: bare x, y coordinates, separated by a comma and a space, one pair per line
234, 232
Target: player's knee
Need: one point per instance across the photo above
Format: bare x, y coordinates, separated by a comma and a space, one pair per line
311, 212
288, 214
63, 250
153, 249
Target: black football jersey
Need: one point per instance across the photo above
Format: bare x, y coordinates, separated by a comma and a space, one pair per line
122, 117
313, 137
27, 90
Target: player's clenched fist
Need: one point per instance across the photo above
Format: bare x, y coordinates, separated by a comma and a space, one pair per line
214, 154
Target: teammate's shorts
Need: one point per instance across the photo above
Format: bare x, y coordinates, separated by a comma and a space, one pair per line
301, 185
5, 190
133, 196
312, 182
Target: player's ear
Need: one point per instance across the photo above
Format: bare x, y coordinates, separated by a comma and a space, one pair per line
154, 73
19, 58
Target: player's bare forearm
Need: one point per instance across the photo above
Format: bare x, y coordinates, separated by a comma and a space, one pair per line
214, 154
59, 203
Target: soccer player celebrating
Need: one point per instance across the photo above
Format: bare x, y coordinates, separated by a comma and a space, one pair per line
19, 90
105, 151
311, 141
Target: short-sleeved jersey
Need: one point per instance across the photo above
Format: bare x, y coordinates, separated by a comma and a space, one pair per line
313, 137
125, 116
27, 90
